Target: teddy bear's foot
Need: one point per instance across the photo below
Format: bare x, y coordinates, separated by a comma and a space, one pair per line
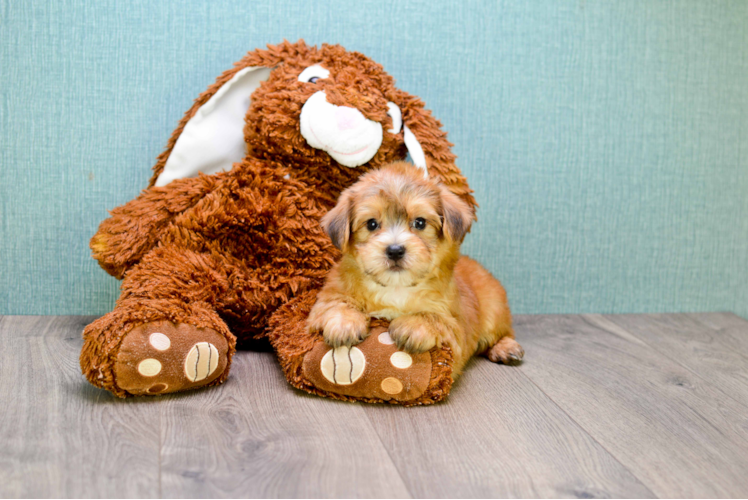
163, 357
373, 370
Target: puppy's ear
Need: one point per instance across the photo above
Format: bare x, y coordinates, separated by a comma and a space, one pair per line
337, 222
457, 215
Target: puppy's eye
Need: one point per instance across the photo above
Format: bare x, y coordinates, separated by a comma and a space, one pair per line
419, 224
372, 224
313, 79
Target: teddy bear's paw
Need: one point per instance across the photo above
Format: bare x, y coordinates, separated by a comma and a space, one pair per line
373, 369
163, 357
506, 351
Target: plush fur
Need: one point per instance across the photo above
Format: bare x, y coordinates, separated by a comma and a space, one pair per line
400, 234
242, 252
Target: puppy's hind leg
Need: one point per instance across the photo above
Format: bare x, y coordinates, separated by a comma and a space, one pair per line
506, 351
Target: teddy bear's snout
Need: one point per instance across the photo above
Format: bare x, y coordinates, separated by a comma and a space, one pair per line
348, 118
343, 132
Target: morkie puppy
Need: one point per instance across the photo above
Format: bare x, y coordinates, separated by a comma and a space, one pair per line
400, 235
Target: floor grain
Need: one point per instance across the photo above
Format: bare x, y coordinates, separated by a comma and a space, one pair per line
712, 346
61, 436
629, 406
673, 430
255, 436
498, 435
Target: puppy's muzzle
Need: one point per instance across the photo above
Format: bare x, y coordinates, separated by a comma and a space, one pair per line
395, 252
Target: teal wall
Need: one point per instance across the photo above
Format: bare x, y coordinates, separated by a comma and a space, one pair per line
607, 141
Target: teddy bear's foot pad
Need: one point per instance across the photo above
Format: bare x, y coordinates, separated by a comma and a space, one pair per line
372, 369
163, 357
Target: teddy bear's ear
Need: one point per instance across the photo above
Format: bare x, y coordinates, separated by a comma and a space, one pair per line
210, 137
427, 144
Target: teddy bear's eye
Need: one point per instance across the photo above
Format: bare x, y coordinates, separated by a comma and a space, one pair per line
372, 224
419, 223
313, 73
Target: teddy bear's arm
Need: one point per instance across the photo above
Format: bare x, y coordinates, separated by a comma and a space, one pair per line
135, 227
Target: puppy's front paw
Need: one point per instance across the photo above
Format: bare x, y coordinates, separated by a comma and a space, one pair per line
344, 327
412, 334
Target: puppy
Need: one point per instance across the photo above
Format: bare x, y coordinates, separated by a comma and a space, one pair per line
400, 235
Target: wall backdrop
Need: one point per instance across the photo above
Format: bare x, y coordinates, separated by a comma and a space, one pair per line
607, 142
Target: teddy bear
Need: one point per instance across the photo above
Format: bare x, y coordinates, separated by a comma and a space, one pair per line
224, 246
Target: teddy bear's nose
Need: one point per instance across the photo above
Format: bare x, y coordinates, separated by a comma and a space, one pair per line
348, 118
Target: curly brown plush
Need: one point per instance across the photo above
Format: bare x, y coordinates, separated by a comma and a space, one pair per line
225, 243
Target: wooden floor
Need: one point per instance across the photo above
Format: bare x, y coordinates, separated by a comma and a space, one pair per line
622, 406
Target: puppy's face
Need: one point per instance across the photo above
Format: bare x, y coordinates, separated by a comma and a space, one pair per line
398, 226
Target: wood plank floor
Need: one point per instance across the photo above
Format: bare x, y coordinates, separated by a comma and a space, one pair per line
604, 406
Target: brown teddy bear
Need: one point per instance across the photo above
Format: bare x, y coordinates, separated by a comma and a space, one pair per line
225, 244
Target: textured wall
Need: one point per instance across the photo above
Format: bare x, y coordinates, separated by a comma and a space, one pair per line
607, 141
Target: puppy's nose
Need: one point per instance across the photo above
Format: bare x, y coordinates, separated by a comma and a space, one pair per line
395, 252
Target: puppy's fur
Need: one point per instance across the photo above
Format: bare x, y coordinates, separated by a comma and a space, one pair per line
432, 295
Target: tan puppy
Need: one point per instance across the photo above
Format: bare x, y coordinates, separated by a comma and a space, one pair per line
400, 235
